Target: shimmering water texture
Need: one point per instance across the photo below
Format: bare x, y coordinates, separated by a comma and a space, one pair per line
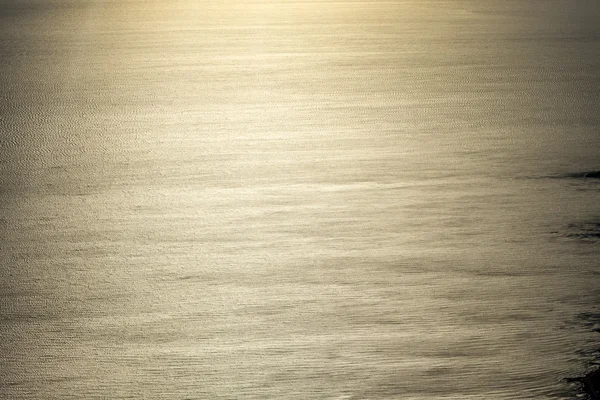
299, 200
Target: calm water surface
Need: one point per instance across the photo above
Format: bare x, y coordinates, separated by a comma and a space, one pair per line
298, 200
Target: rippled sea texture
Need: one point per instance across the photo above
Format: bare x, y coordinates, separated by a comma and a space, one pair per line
298, 200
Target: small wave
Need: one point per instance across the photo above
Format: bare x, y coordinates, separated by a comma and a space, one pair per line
587, 231
590, 384
590, 176
590, 320
582, 175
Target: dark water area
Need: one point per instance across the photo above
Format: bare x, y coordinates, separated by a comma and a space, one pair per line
299, 200
590, 382
585, 175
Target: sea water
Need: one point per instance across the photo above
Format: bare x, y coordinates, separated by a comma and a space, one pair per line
298, 200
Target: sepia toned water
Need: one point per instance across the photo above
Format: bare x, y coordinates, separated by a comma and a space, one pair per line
298, 200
